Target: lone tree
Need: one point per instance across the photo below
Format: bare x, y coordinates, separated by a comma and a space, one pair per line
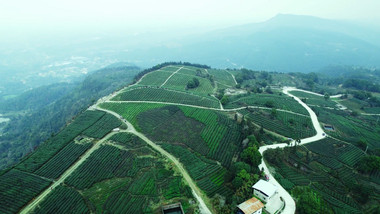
193, 83
326, 96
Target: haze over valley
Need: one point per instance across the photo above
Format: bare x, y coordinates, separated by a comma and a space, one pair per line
190, 107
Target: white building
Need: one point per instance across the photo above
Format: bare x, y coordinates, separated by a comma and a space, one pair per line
251, 206
264, 190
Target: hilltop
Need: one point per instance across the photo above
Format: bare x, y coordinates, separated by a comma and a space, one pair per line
188, 133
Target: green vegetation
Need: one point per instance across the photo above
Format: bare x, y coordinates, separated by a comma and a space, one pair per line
155, 78
106, 162
267, 100
128, 140
48, 149
62, 160
164, 95
131, 110
179, 82
222, 78
29, 129
193, 83
309, 201
315, 100
208, 174
325, 169
349, 128
283, 123
18, 188
63, 200
103, 126
221, 134
124, 175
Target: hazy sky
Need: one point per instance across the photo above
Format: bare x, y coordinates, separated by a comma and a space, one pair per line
32, 15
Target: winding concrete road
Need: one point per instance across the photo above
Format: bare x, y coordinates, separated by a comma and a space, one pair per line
290, 205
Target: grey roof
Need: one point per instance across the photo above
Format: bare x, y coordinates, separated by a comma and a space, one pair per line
265, 187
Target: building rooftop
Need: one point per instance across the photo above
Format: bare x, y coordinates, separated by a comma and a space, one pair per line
265, 187
250, 206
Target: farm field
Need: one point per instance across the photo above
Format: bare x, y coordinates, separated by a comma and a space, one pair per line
52, 146
208, 174
326, 166
164, 95
217, 148
103, 126
131, 110
74, 202
18, 188
62, 160
116, 179
179, 82
267, 100
349, 128
222, 77
316, 100
157, 78
283, 123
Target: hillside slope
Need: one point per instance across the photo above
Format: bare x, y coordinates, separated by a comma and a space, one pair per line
25, 132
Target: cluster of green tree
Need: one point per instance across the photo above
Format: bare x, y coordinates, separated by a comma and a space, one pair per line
365, 96
369, 164
24, 133
249, 75
245, 75
341, 73
199, 73
159, 66
309, 201
361, 84
193, 83
246, 170
310, 79
37, 98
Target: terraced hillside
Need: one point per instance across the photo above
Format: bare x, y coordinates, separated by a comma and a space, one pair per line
177, 135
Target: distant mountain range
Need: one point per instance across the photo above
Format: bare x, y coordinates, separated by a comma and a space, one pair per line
286, 43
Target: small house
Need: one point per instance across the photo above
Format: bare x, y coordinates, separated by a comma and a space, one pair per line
264, 190
172, 209
251, 206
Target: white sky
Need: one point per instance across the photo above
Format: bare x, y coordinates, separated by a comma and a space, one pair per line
26, 15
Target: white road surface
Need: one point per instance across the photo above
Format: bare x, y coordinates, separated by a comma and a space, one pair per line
290, 205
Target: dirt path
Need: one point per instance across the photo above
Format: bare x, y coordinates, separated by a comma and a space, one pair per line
209, 108
196, 192
233, 77
29, 208
170, 77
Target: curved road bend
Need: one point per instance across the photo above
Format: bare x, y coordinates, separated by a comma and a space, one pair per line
310, 92
290, 206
